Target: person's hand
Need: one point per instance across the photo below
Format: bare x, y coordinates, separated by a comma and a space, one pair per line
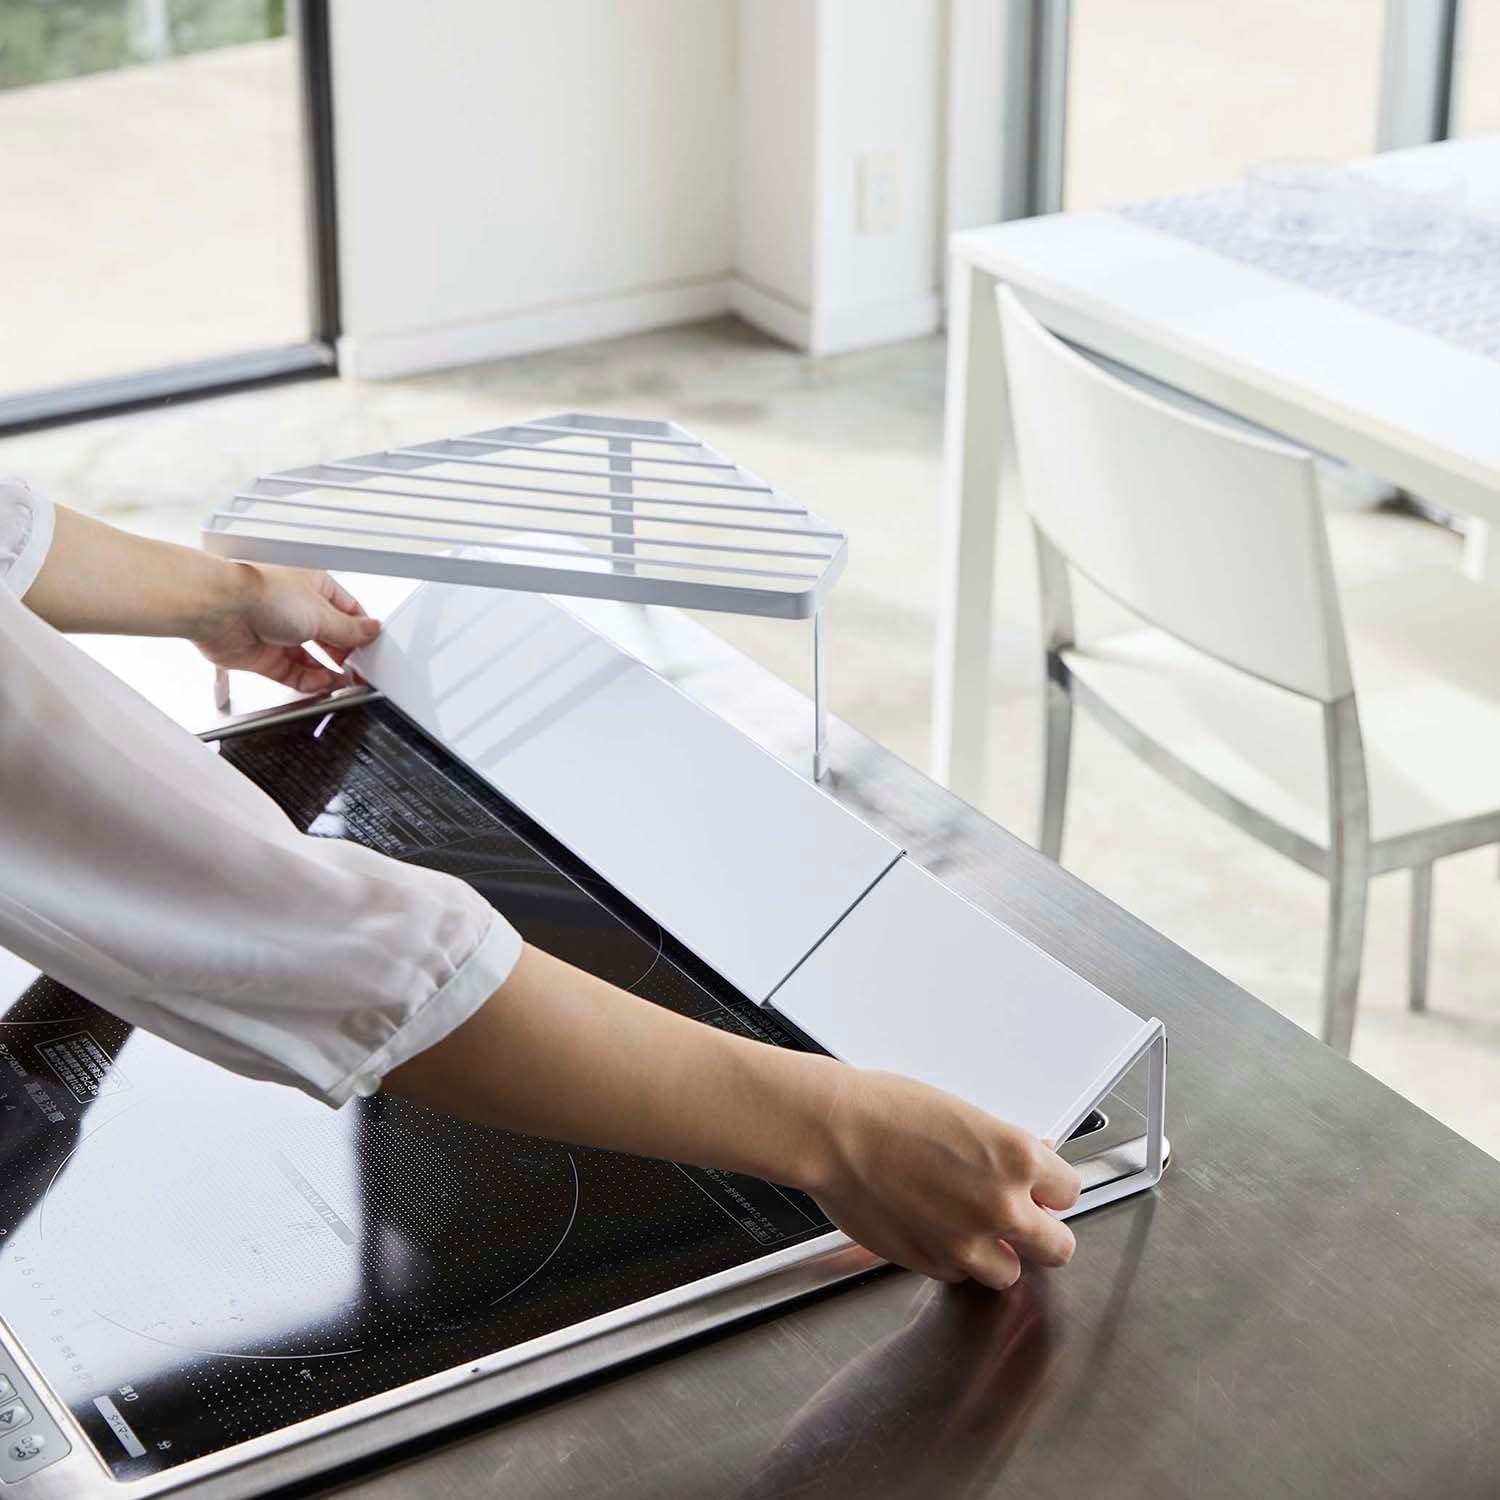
935, 1185
915, 1175
280, 608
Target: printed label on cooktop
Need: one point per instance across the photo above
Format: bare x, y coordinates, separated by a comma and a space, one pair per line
315, 1200
83, 1065
762, 1210
120, 1427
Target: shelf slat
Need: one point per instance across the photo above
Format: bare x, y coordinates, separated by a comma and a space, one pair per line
718, 539
578, 555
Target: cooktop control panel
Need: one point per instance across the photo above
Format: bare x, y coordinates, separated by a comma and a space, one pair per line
29, 1438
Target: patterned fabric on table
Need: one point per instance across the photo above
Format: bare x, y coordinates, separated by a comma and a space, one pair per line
1452, 293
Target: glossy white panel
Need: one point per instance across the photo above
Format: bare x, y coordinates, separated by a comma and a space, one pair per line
730, 850
917, 980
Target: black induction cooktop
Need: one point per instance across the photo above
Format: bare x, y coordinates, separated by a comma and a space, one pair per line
193, 1260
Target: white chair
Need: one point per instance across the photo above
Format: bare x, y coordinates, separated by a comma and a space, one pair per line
1238, 687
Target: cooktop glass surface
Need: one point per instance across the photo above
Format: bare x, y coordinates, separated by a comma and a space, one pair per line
194, 1260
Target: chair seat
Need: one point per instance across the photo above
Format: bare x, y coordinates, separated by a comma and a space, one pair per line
1425, 650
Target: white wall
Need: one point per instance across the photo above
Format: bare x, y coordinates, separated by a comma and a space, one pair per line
515, 175
776, 200
519, 175
975, 146
824, 86
881, 95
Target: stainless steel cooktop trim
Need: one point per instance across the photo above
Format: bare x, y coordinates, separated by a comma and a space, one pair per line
427, 1406
284, 713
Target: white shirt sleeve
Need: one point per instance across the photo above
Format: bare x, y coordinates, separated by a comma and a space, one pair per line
25, 534
149, 875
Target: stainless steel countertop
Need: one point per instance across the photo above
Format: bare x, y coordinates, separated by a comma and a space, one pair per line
1309, 1305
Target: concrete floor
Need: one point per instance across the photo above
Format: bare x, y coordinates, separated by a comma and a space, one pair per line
859, 437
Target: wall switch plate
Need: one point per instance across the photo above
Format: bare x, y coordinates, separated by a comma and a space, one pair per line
879, 209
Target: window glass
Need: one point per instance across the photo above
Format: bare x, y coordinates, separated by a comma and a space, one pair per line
1476, 81
151, 177
1169, 96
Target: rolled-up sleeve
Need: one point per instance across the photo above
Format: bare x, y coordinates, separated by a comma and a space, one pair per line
149, 875
25, 534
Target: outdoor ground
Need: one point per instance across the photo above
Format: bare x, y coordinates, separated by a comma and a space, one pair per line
151, 216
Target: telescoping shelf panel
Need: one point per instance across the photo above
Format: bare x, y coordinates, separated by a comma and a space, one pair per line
731, 851
605, 507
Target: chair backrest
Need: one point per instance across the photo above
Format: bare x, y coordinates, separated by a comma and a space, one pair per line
1215, 536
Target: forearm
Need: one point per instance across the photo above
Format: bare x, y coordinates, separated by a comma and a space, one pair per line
560, 1054
144, 871
99, 579
915, 1175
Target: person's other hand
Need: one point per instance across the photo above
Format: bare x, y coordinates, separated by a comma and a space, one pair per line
281, 609
933, 1184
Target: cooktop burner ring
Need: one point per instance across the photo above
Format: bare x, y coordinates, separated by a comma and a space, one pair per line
296, 1209
221, 1353
78, 1145
503, 881
562, 1240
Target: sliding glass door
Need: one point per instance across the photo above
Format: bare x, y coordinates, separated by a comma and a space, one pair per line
158, 164
1476, 84
1169, 96
1103, 102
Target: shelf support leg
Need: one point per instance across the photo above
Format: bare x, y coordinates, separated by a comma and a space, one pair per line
622, 487
820, 701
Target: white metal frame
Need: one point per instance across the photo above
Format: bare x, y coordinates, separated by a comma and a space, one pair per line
1137, 1164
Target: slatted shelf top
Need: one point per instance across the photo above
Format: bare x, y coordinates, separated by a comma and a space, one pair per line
607, 507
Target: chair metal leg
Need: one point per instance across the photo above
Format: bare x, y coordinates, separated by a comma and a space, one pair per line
1057, 758
1343, 953
1056, 597
1348, 871
1421, 934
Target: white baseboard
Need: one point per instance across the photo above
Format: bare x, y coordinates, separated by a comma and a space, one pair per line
772, 314
883, 323
387, 356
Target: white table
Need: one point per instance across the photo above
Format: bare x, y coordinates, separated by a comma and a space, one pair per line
1419, 412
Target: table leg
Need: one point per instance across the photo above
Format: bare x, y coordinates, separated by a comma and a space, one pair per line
975, 443
1481, 551
820, 700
